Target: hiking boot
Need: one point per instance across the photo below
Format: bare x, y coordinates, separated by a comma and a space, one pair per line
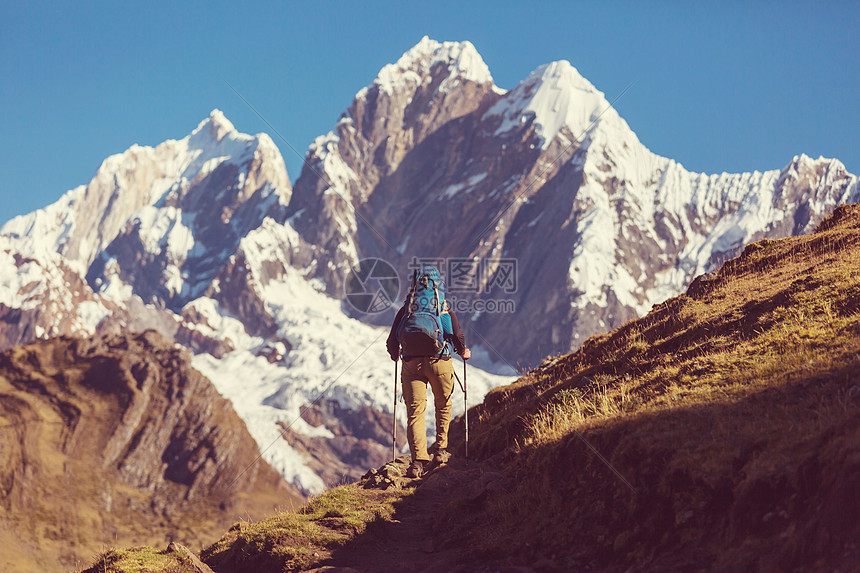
441, 456
415, 470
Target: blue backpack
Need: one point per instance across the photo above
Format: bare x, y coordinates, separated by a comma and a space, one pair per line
423, 327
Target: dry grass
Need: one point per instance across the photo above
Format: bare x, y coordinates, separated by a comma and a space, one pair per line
736, 387
293, 541
760, 325
286, 541
139, 560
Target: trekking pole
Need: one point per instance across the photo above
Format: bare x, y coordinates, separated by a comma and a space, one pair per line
394, 418
466, 406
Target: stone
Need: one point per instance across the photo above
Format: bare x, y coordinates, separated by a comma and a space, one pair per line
188, 558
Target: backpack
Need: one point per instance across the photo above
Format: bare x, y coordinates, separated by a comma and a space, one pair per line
421, 331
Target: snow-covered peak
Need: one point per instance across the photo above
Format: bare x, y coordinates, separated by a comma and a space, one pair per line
557, 96
563, 75
215, 126
414, 67
85, 220
803, 162
215, 136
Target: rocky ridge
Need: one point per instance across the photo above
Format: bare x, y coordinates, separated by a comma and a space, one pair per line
117, 439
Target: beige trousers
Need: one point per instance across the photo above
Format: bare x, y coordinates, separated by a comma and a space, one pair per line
415, 375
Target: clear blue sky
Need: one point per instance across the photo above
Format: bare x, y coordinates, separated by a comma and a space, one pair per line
726, 86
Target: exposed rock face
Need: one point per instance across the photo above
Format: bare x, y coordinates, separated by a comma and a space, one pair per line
49, 298
430, 86
118, 439
550, 175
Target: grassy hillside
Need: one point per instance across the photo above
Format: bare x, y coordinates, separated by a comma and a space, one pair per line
720, 432
286, 541
727, 420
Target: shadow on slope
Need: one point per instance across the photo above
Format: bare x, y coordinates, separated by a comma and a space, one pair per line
764, 482
710, 491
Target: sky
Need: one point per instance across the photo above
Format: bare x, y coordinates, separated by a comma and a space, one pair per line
718, 86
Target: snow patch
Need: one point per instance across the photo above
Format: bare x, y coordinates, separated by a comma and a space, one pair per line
468, 184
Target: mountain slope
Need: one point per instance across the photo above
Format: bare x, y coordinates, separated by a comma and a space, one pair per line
117, 439
717, 433
146, 218
726, 418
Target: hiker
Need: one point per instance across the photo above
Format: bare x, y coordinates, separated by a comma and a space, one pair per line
421, 334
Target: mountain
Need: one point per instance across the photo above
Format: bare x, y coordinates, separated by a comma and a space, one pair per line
117, 438
549, 217
547, 174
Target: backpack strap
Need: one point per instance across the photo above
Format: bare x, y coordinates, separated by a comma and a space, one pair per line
412, 289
